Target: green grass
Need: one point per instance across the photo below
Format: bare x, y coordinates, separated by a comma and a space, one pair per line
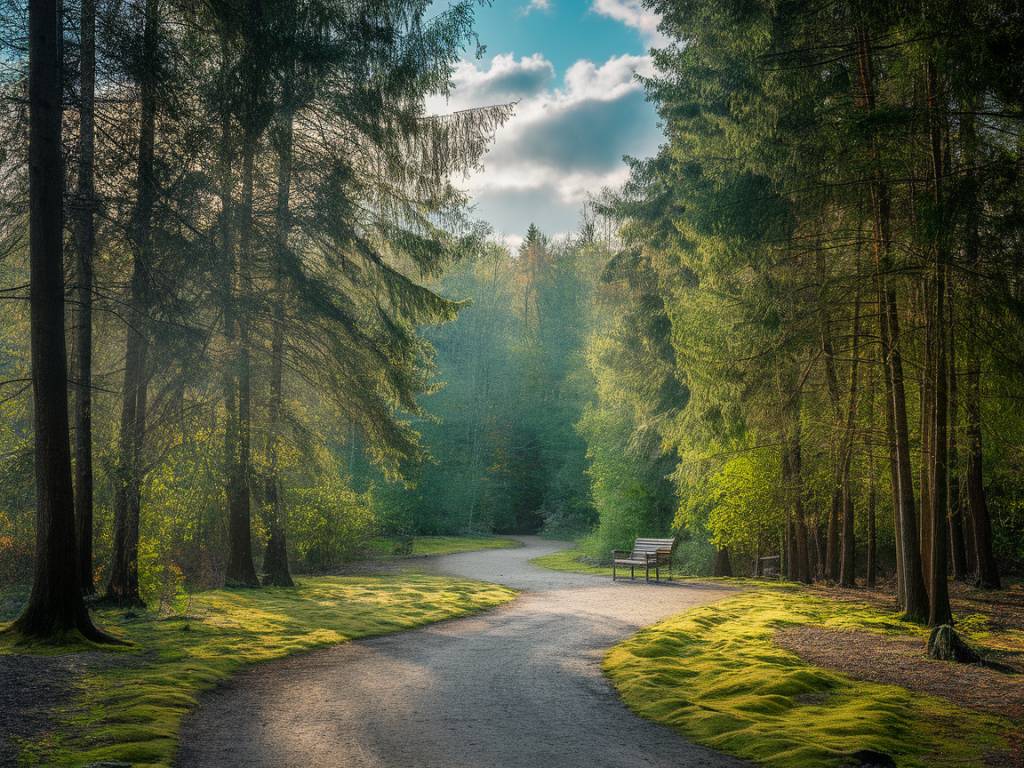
569, 560
132, 711
715, 675
429, 546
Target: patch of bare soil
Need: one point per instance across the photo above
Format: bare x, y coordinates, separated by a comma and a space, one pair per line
1003, 607
904, 661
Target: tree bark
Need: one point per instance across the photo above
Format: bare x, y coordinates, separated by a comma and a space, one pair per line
872, 565
915, 598
927, 414
275, 561
123, 586
938, 591
55, 606
958, 551
801, 567
85, 245
241, 570
847, 570
832, 545
981, 523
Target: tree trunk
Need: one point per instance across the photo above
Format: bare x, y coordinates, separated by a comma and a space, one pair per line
915, 598
927, 424
847, 570
801, 567
872, 566
981, 523
832, 546
890, 439
938, 590
85, 245
958, 551
241, 572
275, 561
55, 606
123, 586
723, 565
240, 569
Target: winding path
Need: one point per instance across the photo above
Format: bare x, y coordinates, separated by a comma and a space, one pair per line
517, 687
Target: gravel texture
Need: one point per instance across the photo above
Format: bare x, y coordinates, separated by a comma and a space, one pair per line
517, 687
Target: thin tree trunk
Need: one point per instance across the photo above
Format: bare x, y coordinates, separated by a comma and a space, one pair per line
55, 606
240, 568
927, 424
832, 546
241, 571
123, 585
938, 590
981, 523
275, 561
85, 245
890, 440
801, 569
915, 598
847, 571
958, 551
230, 268
872, 565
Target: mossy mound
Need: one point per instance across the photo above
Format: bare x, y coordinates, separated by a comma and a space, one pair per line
716, 675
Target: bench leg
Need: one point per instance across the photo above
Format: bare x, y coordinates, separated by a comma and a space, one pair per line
613, 570
632, 573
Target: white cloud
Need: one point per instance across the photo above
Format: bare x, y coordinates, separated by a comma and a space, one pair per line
506, 79
566, 140
633, 14
535, 5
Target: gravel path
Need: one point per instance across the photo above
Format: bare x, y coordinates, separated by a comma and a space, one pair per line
517, 687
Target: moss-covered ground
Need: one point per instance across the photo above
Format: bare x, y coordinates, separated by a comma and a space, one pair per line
132, 711
715, 675
429, 546
571, 560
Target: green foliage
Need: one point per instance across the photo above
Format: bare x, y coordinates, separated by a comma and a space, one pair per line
715, 675
132, 710
510, 386
329, 523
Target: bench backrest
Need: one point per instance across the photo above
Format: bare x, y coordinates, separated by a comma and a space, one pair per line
653, 546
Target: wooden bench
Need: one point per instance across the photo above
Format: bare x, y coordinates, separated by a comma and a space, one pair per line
646, 554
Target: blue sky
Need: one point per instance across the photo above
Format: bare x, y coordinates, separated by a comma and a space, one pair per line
570, 64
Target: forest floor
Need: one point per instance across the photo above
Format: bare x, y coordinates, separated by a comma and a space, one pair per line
76, 707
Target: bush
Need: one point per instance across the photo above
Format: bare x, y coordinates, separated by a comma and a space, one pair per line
328, 524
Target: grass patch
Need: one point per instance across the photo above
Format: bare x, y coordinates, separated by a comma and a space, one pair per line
429, 546
132, 710
715, 675
571, 560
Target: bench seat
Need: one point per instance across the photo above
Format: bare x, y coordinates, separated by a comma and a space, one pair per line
647, 554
